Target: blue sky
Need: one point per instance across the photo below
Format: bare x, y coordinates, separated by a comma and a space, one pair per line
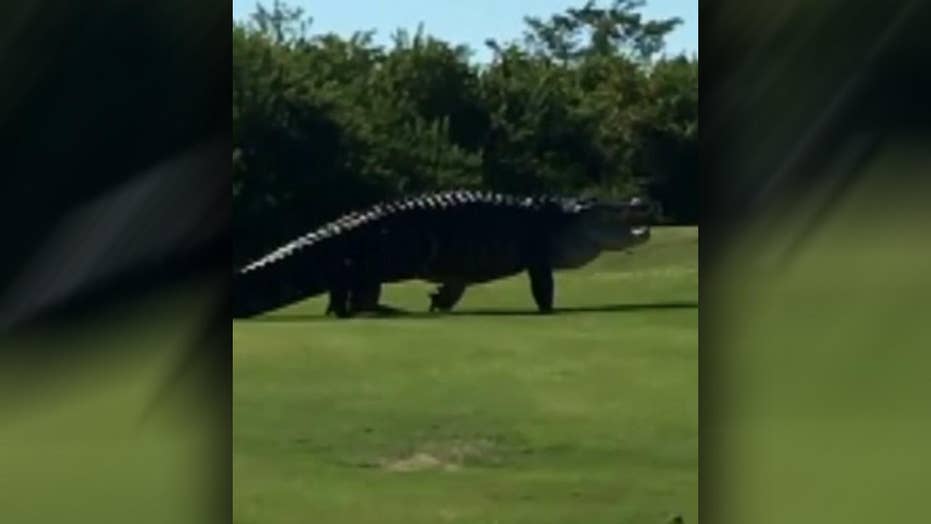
466, 21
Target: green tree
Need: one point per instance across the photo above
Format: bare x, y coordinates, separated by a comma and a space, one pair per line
618, 29
585, 103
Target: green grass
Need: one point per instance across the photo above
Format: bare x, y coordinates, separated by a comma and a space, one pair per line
490, 414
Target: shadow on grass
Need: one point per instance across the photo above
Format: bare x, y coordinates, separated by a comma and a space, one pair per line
400, 314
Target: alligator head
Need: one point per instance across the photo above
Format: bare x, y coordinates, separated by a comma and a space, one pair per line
602, 226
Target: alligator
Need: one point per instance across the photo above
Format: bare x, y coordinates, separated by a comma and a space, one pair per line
453, 239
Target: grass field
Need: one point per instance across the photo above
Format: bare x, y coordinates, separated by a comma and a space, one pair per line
492, 414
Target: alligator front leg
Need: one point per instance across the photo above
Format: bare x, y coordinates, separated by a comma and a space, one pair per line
542, 286
446, 296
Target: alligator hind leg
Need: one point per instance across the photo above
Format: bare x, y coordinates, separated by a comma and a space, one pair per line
339, 303
541, 284
365, 299
446, 296
361, 299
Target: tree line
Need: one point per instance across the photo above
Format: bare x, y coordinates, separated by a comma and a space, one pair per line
584, 102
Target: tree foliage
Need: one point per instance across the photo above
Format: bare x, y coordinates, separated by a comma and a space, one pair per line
584, 103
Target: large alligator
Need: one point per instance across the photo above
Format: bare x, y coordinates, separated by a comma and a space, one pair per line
454, 239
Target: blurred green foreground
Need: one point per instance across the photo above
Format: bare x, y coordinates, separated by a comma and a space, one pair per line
815, 366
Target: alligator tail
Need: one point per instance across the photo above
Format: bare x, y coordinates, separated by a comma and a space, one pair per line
273, 283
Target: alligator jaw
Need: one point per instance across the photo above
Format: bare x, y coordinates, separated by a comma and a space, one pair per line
640, 233
619, 226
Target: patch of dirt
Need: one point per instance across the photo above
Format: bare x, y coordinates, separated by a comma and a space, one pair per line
419, 462
449, 456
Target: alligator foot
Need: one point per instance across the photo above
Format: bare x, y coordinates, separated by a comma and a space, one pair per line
338, 304
360, 299
338, 312
446, 296
377, 311
381, 310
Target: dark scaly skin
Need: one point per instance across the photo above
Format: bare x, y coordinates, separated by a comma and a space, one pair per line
453, 239
446, 296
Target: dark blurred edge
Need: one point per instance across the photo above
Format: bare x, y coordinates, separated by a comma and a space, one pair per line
100, 100
105, 91
794, 96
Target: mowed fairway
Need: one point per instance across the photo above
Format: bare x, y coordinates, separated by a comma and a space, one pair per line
490, 414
